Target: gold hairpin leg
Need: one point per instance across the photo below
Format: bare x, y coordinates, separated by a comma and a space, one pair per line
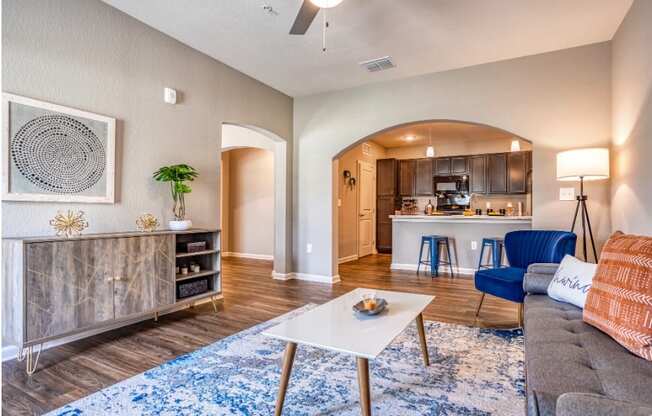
32, 363
214, 302
156, 316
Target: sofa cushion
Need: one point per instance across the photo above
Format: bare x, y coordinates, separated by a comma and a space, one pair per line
620, 300
504, 282
563, 354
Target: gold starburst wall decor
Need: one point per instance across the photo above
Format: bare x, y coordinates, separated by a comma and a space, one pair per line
147, 223
69, 224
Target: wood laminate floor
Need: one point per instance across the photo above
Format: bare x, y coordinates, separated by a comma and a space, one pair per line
78, 369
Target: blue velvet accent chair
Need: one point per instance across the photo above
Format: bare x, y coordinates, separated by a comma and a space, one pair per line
523, 248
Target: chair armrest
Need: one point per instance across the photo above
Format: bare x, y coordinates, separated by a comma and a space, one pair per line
538, 277
582, 404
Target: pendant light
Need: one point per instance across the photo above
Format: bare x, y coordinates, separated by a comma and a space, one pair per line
430, 151
516, 146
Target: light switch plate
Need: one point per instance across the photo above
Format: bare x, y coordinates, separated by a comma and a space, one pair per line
566, 194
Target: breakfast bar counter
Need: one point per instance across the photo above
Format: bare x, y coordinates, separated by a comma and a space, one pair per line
465, 234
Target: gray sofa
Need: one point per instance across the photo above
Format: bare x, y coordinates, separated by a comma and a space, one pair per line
572, 368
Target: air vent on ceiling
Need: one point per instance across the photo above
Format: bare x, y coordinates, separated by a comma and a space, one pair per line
379, 64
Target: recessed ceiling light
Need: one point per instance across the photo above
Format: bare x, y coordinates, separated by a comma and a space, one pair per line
325, 4
410, 138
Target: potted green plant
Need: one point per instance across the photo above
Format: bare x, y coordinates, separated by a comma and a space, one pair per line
178, 175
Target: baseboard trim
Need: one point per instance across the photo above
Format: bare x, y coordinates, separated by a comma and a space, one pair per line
465, 271
248, 255
317, 278
9, 352
347, 259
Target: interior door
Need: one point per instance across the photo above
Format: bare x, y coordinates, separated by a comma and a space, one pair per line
143, 274
366, 208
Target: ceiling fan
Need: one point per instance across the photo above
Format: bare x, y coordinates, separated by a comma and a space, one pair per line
308, 12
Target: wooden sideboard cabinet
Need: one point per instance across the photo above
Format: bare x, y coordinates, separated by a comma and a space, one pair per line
55, 288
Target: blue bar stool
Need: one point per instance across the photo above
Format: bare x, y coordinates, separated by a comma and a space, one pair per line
434, 242
496, 245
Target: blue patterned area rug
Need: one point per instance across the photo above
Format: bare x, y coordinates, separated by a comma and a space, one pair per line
473, 372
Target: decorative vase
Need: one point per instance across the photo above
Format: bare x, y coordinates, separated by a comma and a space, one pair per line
180, 225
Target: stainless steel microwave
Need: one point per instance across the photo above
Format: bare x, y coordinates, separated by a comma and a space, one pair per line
459, 183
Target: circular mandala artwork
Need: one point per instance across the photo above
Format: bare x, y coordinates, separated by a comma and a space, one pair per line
59, 154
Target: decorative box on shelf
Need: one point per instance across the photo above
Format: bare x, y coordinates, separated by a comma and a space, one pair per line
195, 246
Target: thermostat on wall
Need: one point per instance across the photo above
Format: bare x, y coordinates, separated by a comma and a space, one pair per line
169, 95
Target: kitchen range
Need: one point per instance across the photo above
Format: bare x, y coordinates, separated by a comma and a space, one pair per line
466, 198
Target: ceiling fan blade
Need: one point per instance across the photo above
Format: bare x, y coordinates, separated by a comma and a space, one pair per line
306, 15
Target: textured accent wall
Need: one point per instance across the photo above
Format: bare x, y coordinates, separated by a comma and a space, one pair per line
632, 122
88, 55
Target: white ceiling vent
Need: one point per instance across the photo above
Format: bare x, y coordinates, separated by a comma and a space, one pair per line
378, 64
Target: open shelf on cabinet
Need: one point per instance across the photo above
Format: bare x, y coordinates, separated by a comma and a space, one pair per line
196, 253
182, 277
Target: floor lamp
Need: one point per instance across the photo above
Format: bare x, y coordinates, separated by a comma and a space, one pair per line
583, 165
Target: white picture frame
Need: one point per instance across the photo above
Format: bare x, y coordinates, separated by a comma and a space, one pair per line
8, 194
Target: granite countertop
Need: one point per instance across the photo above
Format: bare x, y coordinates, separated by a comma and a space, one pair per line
462, 218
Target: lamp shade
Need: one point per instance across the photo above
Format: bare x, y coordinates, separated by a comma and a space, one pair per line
590, 164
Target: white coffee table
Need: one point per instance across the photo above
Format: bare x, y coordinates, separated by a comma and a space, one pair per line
334, 326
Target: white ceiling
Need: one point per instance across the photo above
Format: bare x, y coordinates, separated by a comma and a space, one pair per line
422, 36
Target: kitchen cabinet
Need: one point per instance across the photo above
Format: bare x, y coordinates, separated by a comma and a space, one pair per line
443, 166
423, 177
386, 177
406, 177
517, 172
497, 173
478, 174
387, 201
459, 165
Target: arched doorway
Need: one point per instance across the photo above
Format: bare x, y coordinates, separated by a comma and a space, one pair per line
423, 145
236, 136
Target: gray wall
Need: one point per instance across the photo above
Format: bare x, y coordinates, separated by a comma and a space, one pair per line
558, 100
632, 122
87, 55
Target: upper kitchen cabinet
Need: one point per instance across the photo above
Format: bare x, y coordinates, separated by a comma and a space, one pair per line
497, 173
386, 177
478, 174
518, 164
443, 166
423, 177
406, 177
459, 165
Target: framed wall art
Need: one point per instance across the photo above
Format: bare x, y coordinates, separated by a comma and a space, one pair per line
56, 154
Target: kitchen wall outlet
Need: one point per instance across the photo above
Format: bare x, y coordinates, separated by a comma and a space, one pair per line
567, 194
474, 245
309, 248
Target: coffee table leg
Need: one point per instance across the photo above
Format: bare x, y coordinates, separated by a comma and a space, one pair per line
422, 339
363, 382
288, 360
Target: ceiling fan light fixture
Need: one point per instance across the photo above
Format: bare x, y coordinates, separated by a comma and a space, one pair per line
325, 4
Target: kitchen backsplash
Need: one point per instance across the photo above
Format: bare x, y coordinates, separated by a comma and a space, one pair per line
480, 201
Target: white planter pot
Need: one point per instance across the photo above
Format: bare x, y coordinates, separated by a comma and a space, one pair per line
180, 225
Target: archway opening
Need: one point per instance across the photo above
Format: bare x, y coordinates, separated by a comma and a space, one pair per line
424, 170
254, 205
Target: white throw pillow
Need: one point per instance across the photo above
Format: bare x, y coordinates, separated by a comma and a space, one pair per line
572, 281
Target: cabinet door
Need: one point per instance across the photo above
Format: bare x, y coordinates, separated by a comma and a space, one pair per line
517, 166
423, 186
67, 288
386, 177
385, 208
478, 180
497, 173
443, 166
459, 165
143, 273
407, 171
